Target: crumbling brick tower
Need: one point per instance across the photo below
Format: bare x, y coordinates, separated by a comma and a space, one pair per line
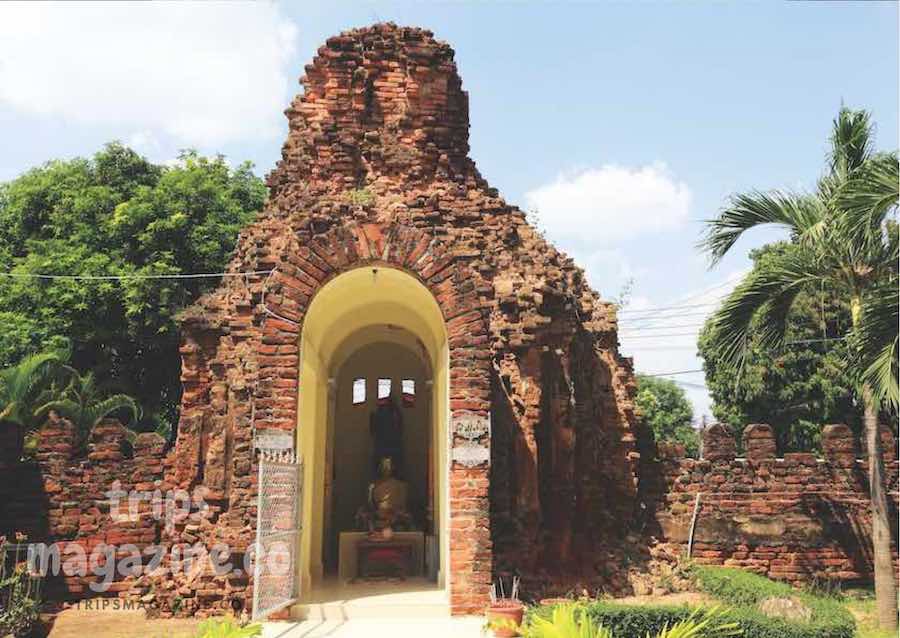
375, 170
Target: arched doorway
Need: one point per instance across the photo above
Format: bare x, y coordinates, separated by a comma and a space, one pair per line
371, 323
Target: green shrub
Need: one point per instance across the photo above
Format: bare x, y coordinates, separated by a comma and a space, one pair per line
574, 620
20, 597
635, 620
736, 586
829, 620
226, 628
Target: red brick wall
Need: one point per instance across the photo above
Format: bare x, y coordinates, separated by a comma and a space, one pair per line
61, 498
793, 518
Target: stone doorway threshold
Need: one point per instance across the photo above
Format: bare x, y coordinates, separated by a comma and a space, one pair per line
409, 627
335, 600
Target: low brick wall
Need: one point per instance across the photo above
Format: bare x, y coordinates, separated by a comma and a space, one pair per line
61, 497
794, 518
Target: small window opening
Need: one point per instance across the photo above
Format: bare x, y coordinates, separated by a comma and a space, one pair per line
359, 391
408, 388
384, 388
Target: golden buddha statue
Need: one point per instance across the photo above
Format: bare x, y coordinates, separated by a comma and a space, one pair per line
387, 507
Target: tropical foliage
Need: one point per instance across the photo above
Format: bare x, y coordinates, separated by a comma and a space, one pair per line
117, 214
20, 591
796, 388
844, 240
566, 621
26, 388
226, 628
25, 391
43, 383
667, 411
574, 620
83, 403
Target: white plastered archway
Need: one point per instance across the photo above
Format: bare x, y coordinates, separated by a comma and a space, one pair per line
347, 312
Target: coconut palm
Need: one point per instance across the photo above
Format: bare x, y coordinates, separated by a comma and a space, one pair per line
84, 404
25, 387
844, 239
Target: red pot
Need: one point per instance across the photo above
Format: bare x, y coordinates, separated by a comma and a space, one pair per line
511, 610
550, 602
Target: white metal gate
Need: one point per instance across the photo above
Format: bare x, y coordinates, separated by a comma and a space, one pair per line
275, 582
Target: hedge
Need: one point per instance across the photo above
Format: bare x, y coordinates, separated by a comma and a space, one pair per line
636, 621
741, 591
736, 586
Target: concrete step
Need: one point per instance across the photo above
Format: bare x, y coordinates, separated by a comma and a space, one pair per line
351, 609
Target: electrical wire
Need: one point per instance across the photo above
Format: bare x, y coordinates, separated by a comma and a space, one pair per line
670, 374
672, 334
665, 327
666, 308
201, 275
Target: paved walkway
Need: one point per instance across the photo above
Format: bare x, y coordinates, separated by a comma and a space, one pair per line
457, 627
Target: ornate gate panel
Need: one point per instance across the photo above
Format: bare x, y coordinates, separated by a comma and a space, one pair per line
275, 581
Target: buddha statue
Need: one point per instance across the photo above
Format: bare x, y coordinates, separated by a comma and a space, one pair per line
387, 507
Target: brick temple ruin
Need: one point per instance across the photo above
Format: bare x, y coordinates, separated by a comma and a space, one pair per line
388, 259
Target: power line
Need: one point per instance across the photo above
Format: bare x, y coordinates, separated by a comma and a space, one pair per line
670, 374
705, 291
644, 348
688, 384
663, 327
673, 334
201, 275
662, 308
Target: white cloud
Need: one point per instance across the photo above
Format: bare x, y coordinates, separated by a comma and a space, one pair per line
200, 72
144, 142
604, 268
602, 206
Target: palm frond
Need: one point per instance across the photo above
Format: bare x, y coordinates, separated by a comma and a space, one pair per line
870, 195
23, 383
877, 343
757, 309
851, 141
802, 215
97, 411
66, 408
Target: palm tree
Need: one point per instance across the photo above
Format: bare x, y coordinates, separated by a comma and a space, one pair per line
83, 403
24, 388
844, 238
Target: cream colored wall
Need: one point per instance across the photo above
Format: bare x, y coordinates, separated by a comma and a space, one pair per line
352, 442
358, 307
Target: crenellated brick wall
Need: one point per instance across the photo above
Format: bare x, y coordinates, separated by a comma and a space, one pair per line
794, 518
62, 497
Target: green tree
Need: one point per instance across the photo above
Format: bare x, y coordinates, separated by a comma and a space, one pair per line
796, 388
667, 411
843, 240
117, 214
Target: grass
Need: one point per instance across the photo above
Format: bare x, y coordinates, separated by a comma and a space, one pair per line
866, 615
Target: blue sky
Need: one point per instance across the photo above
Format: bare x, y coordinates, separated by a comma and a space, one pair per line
623, 123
